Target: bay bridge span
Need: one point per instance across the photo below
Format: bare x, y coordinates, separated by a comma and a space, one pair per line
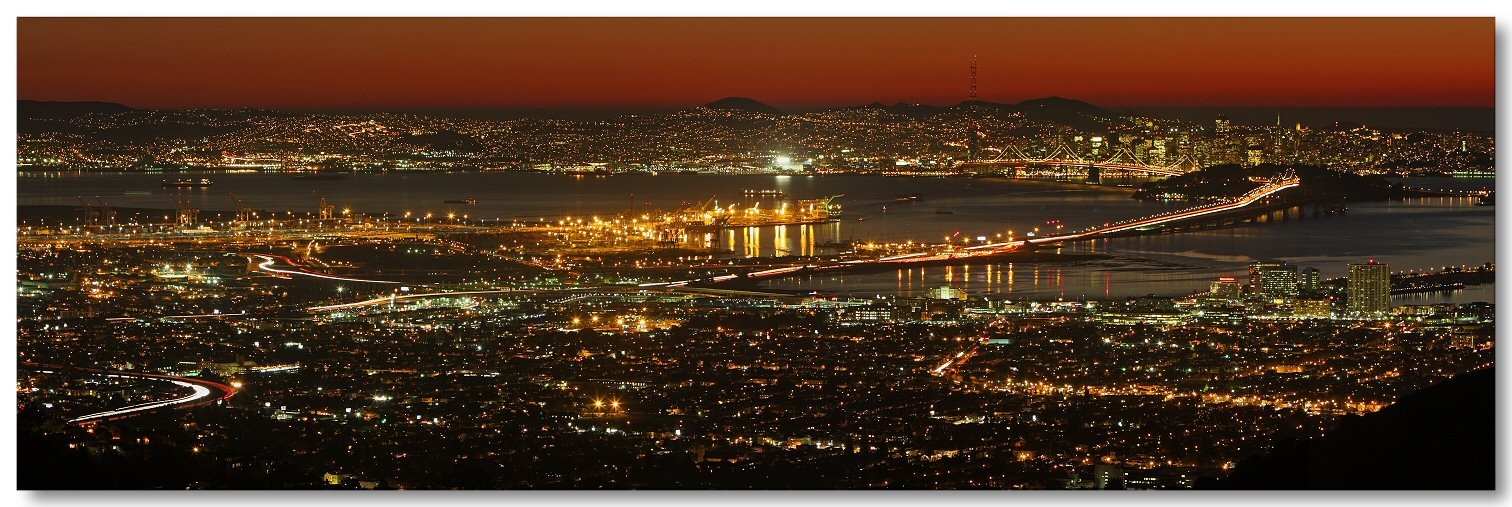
946, 253
1063, 155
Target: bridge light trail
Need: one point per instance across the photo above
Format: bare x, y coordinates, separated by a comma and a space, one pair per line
1245, 200
1270, 188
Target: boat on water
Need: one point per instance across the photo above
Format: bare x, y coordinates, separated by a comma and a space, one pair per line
188, 182
861, 218
906, 197
768, 192
468, 201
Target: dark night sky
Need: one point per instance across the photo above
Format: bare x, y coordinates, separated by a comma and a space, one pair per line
544, 63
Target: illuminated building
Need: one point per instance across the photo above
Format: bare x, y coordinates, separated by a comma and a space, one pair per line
947, 293
1273, 279
1312, 309
1254, 156
1369, 288
1226, 288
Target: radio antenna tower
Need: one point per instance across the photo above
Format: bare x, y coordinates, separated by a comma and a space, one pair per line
973, 77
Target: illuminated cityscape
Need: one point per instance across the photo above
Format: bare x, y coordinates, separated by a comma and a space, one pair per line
1038, 293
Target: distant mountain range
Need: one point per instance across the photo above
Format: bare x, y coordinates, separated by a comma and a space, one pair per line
1071, 112
1075, 113
1048, 108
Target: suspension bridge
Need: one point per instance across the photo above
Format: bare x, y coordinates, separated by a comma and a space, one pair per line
1063, 155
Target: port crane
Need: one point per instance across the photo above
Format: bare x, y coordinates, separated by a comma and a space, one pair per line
107, 215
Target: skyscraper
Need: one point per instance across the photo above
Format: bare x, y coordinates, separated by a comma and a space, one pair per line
1369, 288
1273, 279
1309, 280
1222, 125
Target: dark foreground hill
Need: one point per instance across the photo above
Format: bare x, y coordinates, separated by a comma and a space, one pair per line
1443, 437
51, 109
743, 104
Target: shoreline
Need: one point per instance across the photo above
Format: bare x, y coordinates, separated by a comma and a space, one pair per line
1061, 183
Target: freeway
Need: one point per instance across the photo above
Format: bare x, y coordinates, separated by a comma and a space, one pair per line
202, 392
269, 260
394, 298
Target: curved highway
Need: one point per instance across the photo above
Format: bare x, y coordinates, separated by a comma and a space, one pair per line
202, 392
268, 260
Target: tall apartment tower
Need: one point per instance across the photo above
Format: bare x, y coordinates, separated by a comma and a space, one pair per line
1369, 289
1310, 280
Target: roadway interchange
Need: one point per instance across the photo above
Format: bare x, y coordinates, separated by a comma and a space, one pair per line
201, 392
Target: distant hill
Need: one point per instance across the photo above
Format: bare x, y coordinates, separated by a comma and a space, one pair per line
915, 111
1230, 180
982, 105
445, 141
51, 109
1443, 437
1069, 112
1065, 111
742, 104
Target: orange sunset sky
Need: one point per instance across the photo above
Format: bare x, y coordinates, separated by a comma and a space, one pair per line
788, 62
